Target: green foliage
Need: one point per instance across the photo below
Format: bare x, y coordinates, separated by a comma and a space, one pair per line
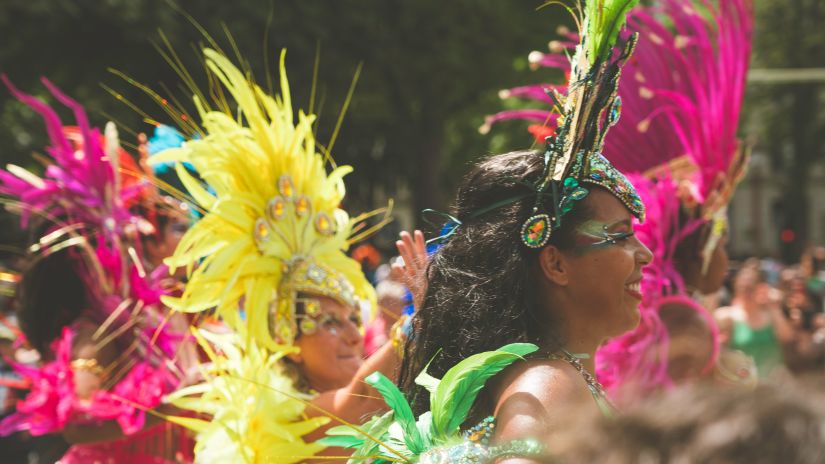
785, 119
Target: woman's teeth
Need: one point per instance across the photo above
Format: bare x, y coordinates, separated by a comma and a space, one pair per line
634, 287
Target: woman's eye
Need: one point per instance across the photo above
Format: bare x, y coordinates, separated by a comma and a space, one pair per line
621, 236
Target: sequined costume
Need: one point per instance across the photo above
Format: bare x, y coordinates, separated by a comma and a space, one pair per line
83, 199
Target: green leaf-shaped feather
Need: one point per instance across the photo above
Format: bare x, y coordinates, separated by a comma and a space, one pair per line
344, 441
378, 427
457, 391
603, 19
400, 407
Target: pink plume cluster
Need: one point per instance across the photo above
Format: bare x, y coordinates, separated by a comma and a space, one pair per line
83, 195
53, 404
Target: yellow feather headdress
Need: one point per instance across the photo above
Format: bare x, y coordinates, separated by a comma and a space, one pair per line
273, 226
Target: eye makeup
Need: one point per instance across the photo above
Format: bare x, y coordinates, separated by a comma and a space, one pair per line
596, 234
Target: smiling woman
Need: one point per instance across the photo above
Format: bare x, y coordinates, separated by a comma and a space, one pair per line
486, 290
268, 257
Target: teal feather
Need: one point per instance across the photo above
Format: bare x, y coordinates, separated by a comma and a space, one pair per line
425, 428
457, 391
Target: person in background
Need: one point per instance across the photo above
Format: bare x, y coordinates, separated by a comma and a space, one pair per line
768, 425
755, 323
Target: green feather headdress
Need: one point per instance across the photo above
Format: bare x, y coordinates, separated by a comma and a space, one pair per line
591, 105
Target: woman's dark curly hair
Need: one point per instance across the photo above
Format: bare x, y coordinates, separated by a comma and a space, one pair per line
52, 296
482, 290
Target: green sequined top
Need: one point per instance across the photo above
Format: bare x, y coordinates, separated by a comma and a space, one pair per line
475, 448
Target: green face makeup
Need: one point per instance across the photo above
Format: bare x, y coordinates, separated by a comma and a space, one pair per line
598, 234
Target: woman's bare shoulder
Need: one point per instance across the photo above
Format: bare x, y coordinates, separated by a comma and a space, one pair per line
533, 399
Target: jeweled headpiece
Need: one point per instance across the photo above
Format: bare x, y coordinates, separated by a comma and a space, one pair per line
272, 228
586, 110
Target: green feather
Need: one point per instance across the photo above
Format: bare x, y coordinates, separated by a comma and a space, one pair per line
426, 380
341, 441
457, 391
425, 426
603, 19
400, 407
377, 427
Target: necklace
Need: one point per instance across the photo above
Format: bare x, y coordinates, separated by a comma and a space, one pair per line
596, 388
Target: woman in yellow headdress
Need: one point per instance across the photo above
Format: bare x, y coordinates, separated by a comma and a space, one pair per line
269, 257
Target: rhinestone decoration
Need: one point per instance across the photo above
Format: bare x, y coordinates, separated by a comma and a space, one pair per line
615, 111
286, 187
475, 449
262, 233
302, 206
284, 332
308, 325
536, 231
276, 208
316, 274
601, 172
312, 307
324, 224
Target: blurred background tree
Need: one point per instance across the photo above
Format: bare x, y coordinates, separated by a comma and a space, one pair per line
785, 115
431, 72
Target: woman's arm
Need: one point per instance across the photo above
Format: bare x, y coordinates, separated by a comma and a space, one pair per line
357, 401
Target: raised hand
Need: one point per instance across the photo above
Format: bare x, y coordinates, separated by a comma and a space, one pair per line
412, 272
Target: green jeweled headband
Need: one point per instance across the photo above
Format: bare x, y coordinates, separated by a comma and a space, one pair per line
536, 230
587, 111
596, 170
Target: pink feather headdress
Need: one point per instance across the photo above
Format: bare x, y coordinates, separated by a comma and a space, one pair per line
84, 197
79, 195
681, 97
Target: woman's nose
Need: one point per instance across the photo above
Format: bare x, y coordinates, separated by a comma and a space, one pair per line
352, 334
644, 255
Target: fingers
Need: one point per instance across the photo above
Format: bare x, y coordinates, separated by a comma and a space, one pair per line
406, 248
397, 272
420, 244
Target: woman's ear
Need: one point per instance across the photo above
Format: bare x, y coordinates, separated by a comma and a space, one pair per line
295, 357
554, 265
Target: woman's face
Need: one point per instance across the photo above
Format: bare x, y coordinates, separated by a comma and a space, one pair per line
166, 241
332, 354
605, 266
